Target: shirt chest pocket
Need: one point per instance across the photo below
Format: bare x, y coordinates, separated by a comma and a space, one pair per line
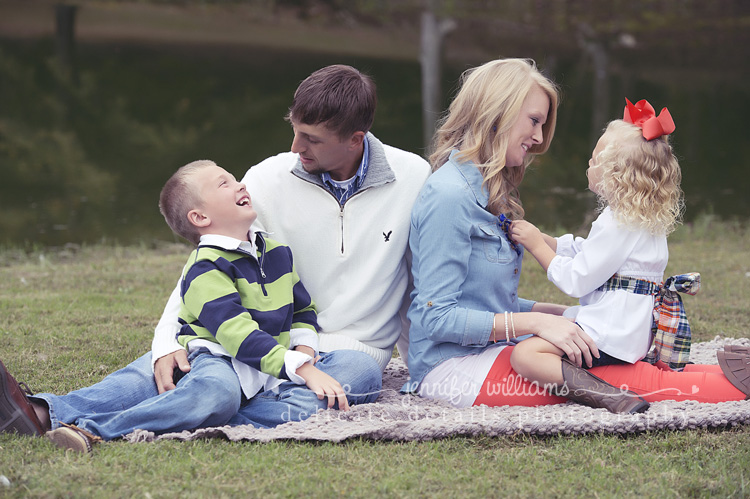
490, 239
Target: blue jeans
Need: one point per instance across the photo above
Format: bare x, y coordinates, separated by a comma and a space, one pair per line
128, 399
357, 372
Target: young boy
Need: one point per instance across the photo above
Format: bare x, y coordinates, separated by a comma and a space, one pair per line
247, 322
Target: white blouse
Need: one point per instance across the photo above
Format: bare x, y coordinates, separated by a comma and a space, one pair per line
618, 321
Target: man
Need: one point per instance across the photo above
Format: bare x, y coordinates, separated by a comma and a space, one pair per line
341, 199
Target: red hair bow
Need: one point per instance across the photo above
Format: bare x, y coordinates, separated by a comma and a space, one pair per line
642, 115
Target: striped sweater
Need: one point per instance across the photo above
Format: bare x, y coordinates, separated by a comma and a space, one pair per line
247, 305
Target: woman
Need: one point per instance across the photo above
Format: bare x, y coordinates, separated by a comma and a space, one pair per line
466, 271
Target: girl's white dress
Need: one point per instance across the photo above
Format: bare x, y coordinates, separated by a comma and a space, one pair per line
618, 321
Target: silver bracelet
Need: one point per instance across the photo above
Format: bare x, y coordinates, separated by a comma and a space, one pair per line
507, 337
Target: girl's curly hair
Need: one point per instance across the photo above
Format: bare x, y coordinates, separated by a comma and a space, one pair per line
640, 179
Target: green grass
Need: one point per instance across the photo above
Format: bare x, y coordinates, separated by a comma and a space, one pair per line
69, 317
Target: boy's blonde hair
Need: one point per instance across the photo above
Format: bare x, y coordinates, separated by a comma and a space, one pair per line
478, 120
640, 179
179, 196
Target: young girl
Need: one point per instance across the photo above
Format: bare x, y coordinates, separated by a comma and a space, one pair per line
619, 268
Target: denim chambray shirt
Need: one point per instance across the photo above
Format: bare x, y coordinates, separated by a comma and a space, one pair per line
464, 270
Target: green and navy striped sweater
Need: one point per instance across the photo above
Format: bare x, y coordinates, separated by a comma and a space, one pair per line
247, 305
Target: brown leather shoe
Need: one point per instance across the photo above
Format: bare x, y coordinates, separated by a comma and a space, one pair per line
16, 413
71, 437
736, 367
587, 389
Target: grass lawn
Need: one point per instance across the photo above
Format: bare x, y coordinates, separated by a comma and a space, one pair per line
70, 316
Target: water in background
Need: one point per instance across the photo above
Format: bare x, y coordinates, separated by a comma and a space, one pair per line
83, 159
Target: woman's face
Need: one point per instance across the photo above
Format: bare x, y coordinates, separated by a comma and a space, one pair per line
527, 130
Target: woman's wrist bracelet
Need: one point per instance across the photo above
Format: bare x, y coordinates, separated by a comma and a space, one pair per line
513, 325
492, 334
507, 337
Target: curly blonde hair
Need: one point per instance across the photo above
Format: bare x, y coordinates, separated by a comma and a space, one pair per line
477, 122
640, 179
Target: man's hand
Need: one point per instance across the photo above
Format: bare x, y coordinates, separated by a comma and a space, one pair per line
165, 366
323, 385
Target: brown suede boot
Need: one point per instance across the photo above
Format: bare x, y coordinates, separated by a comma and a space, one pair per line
736, 367
16, 413
741, 349
587, 389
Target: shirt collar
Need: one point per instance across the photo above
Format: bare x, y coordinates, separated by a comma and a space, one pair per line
361, 173
230, 243
473, 177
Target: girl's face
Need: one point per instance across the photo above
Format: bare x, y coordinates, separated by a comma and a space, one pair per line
594, 172
527, 130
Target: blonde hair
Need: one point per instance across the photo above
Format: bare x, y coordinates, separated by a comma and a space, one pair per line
640, 179
179, 196
477, 122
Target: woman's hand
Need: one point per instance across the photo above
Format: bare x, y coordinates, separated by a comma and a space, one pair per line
562, 332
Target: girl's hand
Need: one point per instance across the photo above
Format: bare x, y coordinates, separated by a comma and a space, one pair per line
526, 234
522, 232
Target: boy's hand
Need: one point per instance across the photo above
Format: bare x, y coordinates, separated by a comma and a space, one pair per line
323, 385
307, 351
165, 366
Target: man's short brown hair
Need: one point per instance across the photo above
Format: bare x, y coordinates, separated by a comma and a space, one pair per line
339, 96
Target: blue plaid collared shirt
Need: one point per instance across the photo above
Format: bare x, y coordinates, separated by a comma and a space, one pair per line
342, 194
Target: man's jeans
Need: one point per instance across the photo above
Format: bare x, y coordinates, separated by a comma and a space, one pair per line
357, 372
209, 395
128, 399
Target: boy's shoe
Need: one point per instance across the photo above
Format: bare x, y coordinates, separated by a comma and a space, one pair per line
16, 412
69, 436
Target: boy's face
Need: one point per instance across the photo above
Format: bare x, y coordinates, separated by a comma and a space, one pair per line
227, 209
322, 150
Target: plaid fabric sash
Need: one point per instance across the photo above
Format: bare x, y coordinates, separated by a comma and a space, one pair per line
670, 328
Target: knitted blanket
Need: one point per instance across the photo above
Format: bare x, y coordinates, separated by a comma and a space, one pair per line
406, 417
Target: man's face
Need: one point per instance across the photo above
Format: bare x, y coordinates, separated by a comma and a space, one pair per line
322, 150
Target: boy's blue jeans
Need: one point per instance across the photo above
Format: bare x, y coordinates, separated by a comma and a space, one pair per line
209, 395
357, 372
